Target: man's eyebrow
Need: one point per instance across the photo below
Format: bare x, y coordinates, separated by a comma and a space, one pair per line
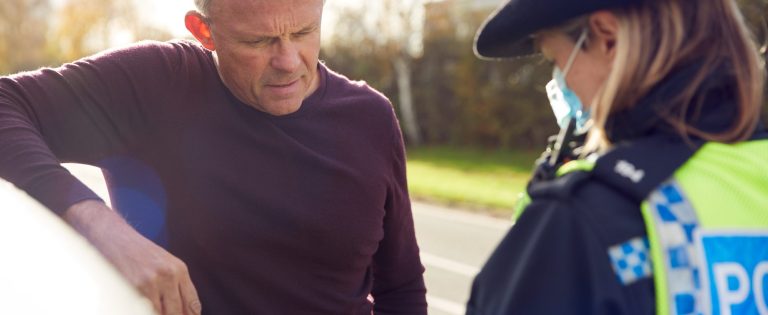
244, 36
310, 27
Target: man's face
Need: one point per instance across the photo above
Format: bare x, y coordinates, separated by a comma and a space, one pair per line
267, 50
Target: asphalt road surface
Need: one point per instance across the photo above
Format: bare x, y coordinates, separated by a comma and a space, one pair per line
454, 245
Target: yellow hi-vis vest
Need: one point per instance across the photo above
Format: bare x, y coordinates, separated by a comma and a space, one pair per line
708, 232
707, 227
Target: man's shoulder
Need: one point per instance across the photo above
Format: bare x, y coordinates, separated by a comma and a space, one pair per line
177, 47
183, 44
153, 54
340, 86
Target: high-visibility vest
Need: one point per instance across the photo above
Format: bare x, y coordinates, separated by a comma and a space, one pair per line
707, 225
708, 232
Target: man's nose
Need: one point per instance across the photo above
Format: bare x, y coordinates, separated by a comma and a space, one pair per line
286, 56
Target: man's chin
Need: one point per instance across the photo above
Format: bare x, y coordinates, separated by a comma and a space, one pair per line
280, 108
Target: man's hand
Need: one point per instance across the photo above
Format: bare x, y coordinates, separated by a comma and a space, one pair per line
159, 276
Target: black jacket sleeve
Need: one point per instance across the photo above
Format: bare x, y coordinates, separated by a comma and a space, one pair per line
555, 261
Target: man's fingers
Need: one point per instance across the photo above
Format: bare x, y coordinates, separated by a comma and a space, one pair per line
158, 275
151, 293
169, 291
189, 297
172, 303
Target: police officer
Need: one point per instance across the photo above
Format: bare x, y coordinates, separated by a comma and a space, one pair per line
669, 214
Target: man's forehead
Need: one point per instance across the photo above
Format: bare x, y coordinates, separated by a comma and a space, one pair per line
264, 7
267, 15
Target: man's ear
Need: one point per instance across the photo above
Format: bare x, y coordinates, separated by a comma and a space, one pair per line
604, 26
197, 25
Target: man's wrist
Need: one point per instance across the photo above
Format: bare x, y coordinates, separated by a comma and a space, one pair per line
90, 216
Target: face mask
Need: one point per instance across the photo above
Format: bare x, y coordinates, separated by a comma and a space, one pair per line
565, 103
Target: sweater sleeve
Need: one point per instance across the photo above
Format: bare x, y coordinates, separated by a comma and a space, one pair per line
398, 286
81, 112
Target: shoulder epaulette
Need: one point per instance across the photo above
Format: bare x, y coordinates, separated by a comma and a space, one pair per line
633, 169
561, 186
637, 168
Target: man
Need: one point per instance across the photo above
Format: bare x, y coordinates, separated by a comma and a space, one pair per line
283, 183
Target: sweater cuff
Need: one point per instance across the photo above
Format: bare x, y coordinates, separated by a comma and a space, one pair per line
60, 191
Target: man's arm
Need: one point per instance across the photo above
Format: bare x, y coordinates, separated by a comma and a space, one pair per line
398, 285
84, 112
158, 275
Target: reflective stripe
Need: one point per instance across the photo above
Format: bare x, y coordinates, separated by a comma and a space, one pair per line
714, 259
674, 250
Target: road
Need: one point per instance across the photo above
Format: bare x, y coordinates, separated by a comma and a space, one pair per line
454, 244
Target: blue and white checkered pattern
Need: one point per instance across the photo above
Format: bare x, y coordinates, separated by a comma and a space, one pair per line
631, 260
675, 222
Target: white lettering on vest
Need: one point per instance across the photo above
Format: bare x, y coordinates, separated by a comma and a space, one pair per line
629, 170
722, 272
728, 297
761, 271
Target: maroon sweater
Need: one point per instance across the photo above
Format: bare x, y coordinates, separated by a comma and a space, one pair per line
306, 213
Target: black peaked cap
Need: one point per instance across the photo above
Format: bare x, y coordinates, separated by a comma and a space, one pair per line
507, 31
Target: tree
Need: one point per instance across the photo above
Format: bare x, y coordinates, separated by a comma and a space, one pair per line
36, 33
23, 29
83, 27
756, 12
392, 28
459, 99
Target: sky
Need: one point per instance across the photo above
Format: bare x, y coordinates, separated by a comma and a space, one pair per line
168, 14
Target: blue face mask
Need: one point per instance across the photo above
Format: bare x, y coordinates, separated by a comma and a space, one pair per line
566, 105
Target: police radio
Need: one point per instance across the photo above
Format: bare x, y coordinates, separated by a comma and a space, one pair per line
562, 148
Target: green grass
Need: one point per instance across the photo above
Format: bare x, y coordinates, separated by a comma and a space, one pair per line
488, 180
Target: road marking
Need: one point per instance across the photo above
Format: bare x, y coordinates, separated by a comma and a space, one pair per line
462, 217
447, 306
449, 265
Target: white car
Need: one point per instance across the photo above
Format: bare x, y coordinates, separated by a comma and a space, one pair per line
47, 268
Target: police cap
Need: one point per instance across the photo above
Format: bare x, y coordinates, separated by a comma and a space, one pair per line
506, 32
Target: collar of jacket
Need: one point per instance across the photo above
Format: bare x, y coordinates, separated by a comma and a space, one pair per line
715, 113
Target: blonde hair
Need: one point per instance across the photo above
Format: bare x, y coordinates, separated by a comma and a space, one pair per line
656, 37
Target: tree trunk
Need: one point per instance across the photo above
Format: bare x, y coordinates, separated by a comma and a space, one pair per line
410, 124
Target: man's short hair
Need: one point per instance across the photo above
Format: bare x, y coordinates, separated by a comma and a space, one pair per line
203, 5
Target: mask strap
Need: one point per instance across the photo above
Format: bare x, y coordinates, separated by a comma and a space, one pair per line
575, 52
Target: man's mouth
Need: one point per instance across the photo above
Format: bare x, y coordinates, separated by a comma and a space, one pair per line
284, 88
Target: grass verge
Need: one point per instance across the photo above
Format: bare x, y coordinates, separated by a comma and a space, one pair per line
483, 180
